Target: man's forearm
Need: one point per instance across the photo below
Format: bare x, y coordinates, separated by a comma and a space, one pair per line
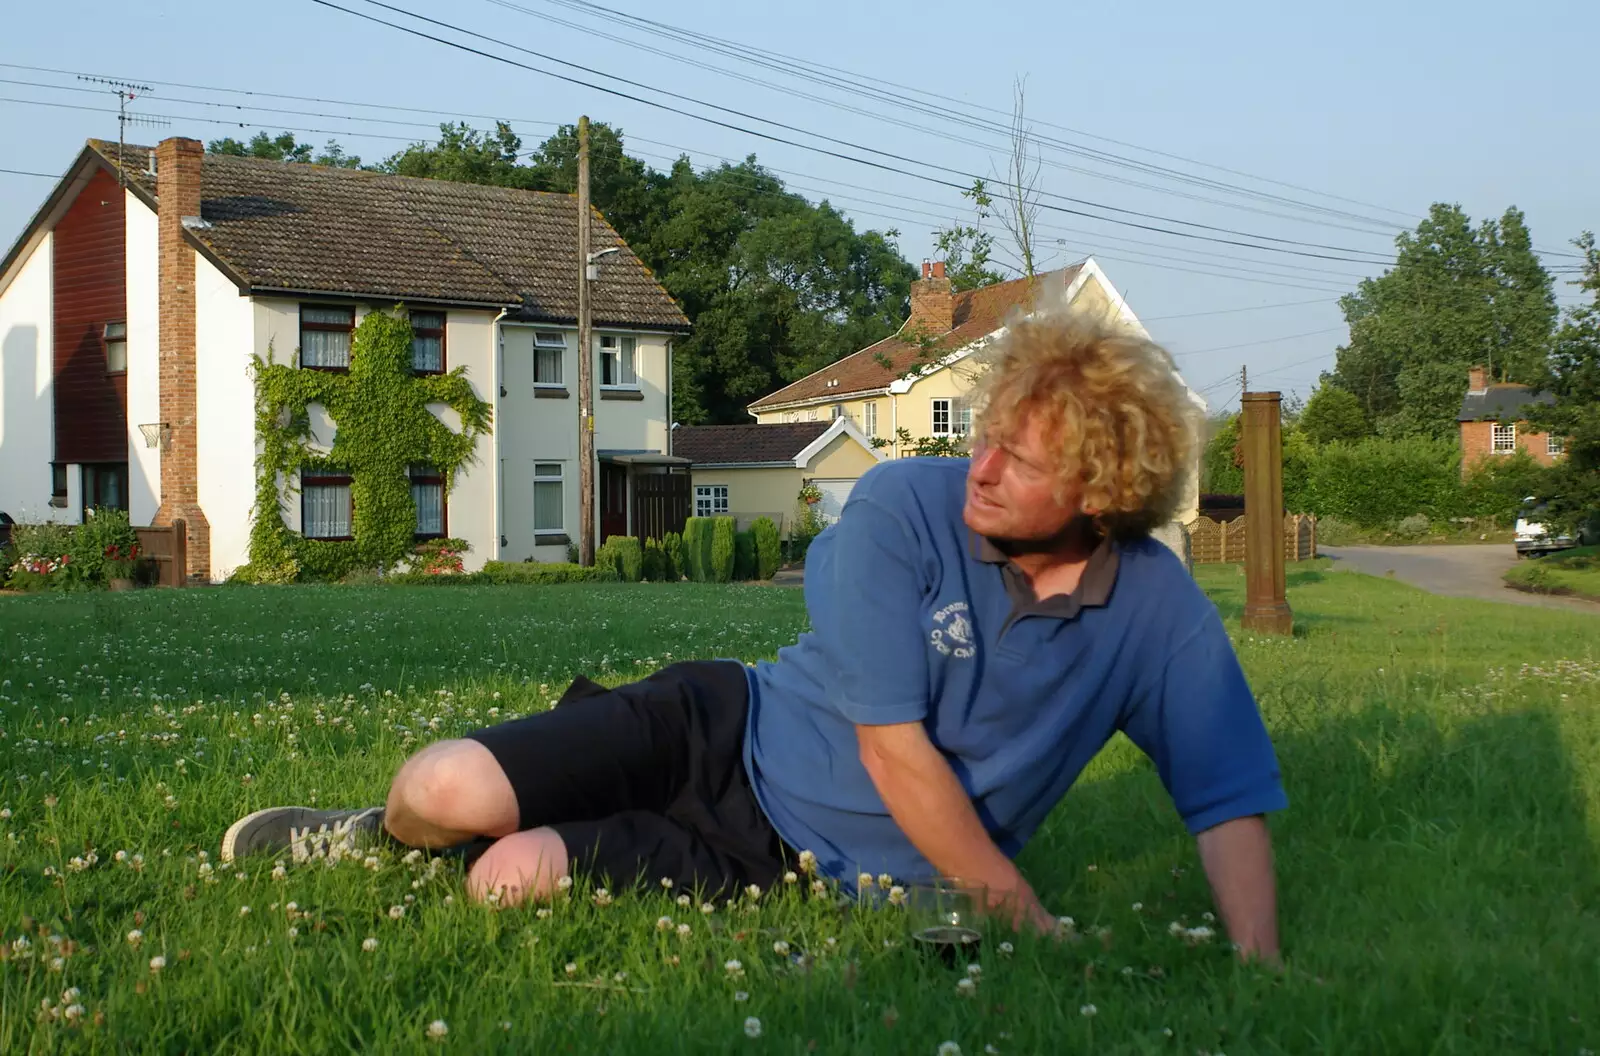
933, 809
1238, 860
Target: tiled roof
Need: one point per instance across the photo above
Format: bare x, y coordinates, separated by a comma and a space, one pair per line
1504, 400
733, 444
977, 313
313, 228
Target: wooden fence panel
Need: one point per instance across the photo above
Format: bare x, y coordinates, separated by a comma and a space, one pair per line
1222, 542
168, 548
661, 504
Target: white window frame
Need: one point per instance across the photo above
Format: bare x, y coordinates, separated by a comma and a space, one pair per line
550, 341
621, 345
1554, 445
836, 412
941, 405
869, 417
1502, 438
115, 338
558, 477
711, 500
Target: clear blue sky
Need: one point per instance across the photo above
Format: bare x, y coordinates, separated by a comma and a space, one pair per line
1394, 105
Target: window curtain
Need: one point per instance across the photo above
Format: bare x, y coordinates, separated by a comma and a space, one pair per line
429, 498
326, 511
324, 348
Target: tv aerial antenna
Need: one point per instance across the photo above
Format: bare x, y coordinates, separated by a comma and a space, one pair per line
126, 92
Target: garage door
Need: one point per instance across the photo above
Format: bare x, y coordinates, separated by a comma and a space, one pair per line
834, 495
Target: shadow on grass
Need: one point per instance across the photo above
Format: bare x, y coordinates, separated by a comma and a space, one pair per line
1422, 865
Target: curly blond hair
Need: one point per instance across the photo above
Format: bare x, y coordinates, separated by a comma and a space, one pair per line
1111, 403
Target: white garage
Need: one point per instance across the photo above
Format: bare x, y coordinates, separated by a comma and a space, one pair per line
835, 493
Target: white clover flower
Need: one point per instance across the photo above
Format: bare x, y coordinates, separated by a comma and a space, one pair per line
780, 948
279, 873
542, 913
69, 995
1197, 935
735, 969
396, 912
975, 970
5, 813
602, 897
619, 977
135, 937
120, 857
818, 887
706, 909
20, 944
1175, 928
413, 856
741, 996
1088, 1010
754, 890
885, 881
73, 1013
897, 895
1066, 923
666, 883
438, 1029
663, 923
1007, 949
157, 963
369, 944
684, 931
752, 1027
684, 901
1208, 918
371, 862
449, 900
571, 969
564, 884
949, 1048
791, 877
966, 987
1138, 907
864, 881
205, 868
172, 802
244, 911
57, 964
294, 933
808, 862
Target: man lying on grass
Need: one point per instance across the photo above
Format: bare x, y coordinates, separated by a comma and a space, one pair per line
981, 628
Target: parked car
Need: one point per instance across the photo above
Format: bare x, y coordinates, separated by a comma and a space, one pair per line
1533, 535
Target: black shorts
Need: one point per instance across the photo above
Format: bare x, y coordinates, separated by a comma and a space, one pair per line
646, 781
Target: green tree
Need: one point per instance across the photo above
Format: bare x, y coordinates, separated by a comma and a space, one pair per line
1457, 296
465, 155
1572, 373
1333, 414
284, 147
966, 249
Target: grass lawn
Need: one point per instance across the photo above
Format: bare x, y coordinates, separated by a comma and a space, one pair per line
1575, 571
1439, 871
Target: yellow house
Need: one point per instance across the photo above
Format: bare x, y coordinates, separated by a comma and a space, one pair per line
751, 471
920, 379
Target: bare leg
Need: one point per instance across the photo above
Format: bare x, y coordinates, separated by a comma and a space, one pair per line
522, 866
448, 793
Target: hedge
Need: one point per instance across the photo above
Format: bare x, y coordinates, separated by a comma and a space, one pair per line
722, 549
672, 545
768, 547
697, 549
504, 573
624, 555
744, 556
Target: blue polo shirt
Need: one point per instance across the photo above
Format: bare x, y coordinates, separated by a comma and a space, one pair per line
916, 619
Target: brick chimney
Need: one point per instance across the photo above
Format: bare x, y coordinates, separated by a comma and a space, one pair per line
932, 302
1477, 379
178, 193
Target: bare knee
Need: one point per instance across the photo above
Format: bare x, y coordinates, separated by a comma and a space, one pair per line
451, 787
517, 868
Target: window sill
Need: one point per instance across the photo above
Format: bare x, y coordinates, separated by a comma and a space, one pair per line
327, 370
551, 539
622, 394
329, 538
551, 392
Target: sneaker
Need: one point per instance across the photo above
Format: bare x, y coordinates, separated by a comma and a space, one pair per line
305, 832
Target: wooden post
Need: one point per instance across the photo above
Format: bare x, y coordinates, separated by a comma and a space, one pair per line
1266, 609
180, 553
585, 360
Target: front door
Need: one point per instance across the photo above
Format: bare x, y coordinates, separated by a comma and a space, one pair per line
613, 500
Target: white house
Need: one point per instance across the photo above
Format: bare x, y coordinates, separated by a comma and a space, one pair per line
132, 304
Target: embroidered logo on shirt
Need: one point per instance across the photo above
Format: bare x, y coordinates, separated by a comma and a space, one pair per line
953, 636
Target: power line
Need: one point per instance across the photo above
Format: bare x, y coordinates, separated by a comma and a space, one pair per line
1265, 341
1281, 248
1232, 311
856, 85
24, 172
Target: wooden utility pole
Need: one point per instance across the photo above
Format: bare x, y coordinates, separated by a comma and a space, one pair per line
585, 360
1266, 608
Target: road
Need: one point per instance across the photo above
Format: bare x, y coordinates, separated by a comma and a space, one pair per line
1457, 571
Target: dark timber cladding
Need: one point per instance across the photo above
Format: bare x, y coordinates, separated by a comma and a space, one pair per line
90, 290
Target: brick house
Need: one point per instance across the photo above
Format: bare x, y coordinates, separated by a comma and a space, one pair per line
1492, 423
131, 306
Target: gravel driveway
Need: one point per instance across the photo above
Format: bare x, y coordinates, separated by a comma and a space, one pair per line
1457, 571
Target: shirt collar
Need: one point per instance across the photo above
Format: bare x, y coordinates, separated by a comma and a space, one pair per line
1093, 589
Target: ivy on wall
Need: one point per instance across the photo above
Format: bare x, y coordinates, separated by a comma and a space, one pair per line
380, 410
